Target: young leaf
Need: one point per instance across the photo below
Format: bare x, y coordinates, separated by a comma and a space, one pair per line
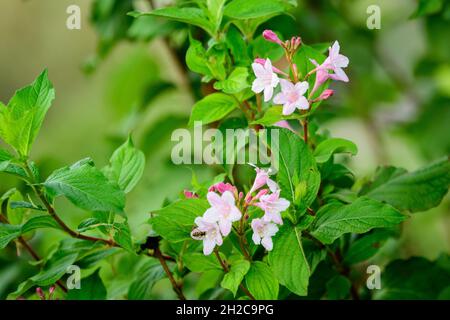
334, 219
86, 187
261, 282
176, 221
235, 83
196, 58
288, 260
126, 166
148, 275
92, 288
194, 16
234, 277
415, 191
22, 119
212, 108
327, 148
298, 176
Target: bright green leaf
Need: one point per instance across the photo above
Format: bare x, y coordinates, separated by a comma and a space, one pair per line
212, 108
261, 282
327, 148
234, 277
86, 187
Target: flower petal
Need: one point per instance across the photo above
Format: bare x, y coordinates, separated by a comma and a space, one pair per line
267, 243
258, 86
302, 103
288, 109
258, 69
214, 199
208, 246
268, 93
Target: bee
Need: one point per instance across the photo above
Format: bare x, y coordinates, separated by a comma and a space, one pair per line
197, 234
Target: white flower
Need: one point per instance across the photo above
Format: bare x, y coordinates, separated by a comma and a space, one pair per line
292, 96
266, 80
223, 210
263, 232
208, 232
273, 205
336, 62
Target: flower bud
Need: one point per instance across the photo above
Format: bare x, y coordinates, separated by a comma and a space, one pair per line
269, 35
326, 94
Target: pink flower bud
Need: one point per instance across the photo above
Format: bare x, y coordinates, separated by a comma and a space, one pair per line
326, 94
269, 35
40, 293
189, 194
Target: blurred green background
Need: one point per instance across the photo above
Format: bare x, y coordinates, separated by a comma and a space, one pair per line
396, 106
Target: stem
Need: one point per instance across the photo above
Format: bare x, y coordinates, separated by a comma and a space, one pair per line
176, 286
227, 269
305, 130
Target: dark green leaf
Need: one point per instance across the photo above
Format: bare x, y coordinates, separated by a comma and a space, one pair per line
334, 220
92, 288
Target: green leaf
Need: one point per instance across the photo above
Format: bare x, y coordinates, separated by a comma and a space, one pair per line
148, 275
338, 288
198, 262
212, 108
413, 279
7, 164
197, 58
22, 119
208, 280
261, 282
92, 288
334, 219
54, 269
176, 221
215, 12
193, 16
428, 7
251, 9
288, 260
126, 167
275, 114
327, 148
236, 43
86, 187
235, 83
367, 246
234, 277
298, 176
9, 232
122, 235
415, 191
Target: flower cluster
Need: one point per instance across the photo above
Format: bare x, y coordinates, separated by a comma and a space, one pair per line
229, 206
292, 95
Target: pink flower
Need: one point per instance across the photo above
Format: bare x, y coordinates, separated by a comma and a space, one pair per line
223, 210
274, 69
269, 35
322, 75
263, 178
336, 62
292, 96
221, 187
263, 232
266, 80
208, 232
273, 205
